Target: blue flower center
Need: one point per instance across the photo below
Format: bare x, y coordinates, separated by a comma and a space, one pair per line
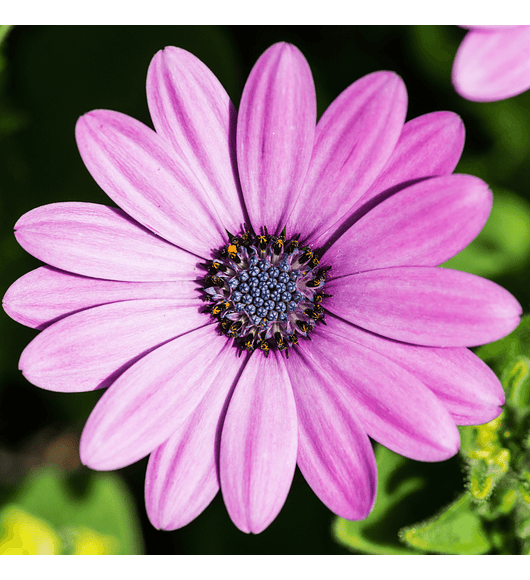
265, 292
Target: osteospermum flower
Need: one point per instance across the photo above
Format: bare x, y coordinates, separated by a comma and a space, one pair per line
493, 63
266, 295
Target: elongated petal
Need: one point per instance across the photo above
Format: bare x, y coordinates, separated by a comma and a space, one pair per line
258, 444
494, 65
88, 350
334, 452
474, 399
191, 109
353, 141
182, 474
466, 386
427, 306
143, 174
33, 299
429, 145
275, 132
422, 225
153, 398
394, 407
181, 478
102, 242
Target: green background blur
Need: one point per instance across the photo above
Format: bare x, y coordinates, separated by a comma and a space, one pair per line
49, 76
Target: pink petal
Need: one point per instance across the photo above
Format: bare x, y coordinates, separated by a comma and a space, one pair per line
473, 399
45, 294
334, 452
427, 306
153, 398
101, 241
466, 386
181, 479
88, 350
491, 66
275, 132
353, 141
422, 225
393, 406
143, 174
182, 476
191, 109
258, 444
429, 145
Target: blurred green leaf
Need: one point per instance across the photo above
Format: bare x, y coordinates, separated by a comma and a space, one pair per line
434, 48
504, 243
508, 121
457, 530
21, 534
92, 513
4, 31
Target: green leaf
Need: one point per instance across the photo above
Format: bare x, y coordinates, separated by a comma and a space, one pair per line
92, 512
457, 530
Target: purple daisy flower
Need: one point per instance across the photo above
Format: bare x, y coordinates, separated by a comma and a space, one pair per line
493, 63
267, 296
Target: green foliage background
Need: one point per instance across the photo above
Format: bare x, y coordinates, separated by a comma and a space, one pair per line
49, 76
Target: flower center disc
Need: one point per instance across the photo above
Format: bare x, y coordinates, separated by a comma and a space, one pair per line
265, 292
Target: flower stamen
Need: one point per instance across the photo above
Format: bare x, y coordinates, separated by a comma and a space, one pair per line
265, 291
